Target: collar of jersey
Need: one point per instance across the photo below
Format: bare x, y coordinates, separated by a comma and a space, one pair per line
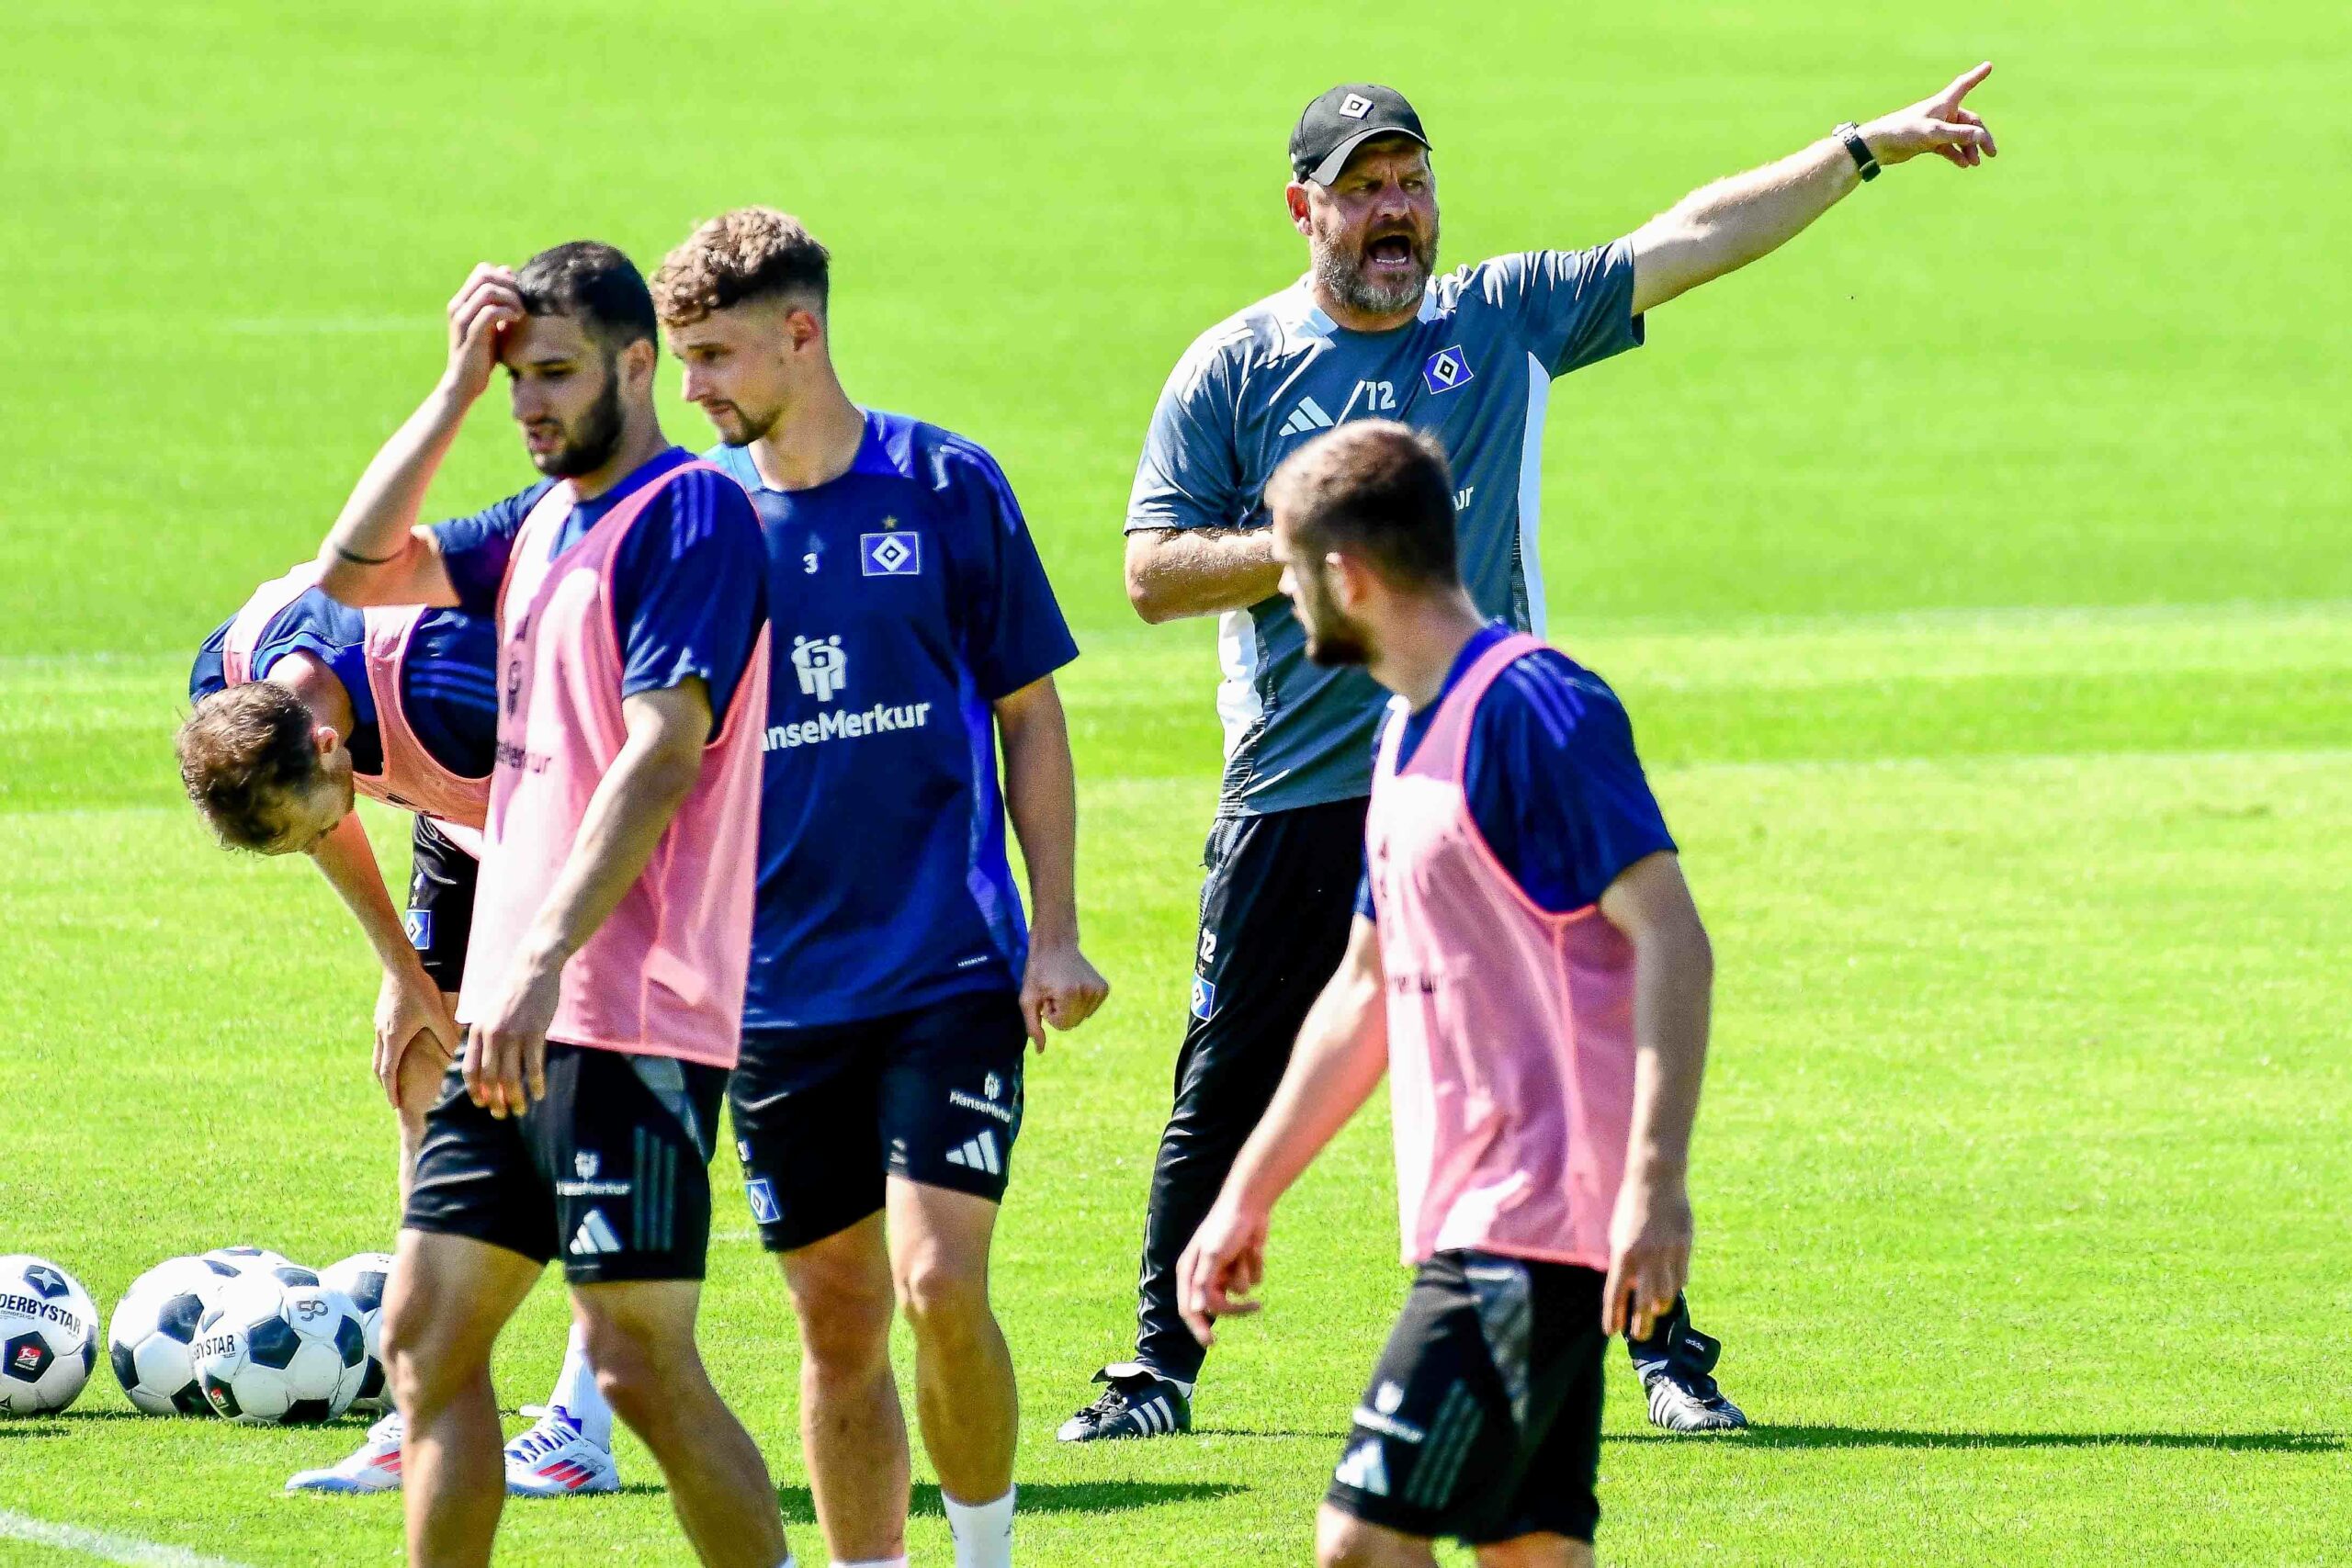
1300, 310
873, 456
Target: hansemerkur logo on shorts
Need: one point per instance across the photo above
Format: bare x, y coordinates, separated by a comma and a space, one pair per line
583, 1181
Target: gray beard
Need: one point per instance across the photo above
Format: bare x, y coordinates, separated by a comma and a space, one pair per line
1345, 282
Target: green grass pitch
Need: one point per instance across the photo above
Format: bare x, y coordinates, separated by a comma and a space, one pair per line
1978, 573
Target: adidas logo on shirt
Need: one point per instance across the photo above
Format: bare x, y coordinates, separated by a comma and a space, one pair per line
595, 1236
978, 1154
1308, 415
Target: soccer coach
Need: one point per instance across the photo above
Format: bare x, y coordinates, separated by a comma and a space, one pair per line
1371, 331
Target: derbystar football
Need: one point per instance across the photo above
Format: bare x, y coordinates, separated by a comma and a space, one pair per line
150, 1337
362, 1277
268, 1353
49, 1336
234, 1262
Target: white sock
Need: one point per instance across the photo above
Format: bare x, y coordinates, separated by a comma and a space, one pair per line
576, 1395
864, 1562
983, 1531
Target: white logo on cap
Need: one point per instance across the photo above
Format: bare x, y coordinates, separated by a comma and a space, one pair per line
1355, 105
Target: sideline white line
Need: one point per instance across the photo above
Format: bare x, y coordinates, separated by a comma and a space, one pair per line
104, 1547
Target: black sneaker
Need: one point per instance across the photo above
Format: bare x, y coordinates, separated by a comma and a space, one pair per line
1136, 1403
1683, 1396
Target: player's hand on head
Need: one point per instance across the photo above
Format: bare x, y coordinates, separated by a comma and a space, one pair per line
479, 312
1225, 1263
1649, 1253
1060, 987
1940, 124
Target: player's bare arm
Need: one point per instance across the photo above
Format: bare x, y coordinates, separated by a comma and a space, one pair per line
375, 554
656, 769
1650, 1232
408, 1002
1175, 572
412, 1014
1722, 227
1341, 1055
1060, 987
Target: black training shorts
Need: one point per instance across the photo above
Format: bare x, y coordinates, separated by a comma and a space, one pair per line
824, 1116
440, 902
610, 1171
1483, 1418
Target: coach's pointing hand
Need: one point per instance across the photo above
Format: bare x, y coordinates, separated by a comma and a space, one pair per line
506, 1053
1938, 125
485, 306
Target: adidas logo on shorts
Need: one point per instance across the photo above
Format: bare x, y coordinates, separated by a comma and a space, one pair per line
1364, 1469
978, 1154
595, 1236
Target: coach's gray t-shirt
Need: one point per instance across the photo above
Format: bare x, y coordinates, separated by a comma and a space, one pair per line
1475, 370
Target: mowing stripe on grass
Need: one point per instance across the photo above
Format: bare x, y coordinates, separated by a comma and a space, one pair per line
104, 1547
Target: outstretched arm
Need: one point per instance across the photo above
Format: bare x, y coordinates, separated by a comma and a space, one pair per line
375, 554
1722, 227
1342, 1053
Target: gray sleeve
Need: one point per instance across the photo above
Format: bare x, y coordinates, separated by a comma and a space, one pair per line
1191, 474
1573, 308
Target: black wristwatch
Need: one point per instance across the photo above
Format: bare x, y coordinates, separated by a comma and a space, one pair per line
1864, 159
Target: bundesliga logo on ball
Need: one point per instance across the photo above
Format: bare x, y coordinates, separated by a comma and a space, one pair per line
49, 1336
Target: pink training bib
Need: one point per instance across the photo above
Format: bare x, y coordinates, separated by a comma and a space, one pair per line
1510, 1028
410, 778
664, 975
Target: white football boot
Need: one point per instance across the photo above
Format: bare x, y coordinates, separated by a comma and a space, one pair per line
552, 1459
374, 1466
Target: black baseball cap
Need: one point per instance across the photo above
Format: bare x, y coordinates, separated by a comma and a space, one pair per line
1344, 119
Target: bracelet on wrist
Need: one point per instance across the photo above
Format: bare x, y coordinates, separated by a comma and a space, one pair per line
356, 559
1864, 159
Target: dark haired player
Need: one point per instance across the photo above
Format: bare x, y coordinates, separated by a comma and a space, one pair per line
894, 981
603, 991
1372, 332
1526, 966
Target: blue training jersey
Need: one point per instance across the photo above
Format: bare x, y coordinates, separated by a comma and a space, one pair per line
907, 597
447, 687
1553, 782
687, 596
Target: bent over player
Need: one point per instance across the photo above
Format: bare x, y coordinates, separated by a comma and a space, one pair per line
603, 990
1371, 331
894, 982
300, 702
1526, 965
